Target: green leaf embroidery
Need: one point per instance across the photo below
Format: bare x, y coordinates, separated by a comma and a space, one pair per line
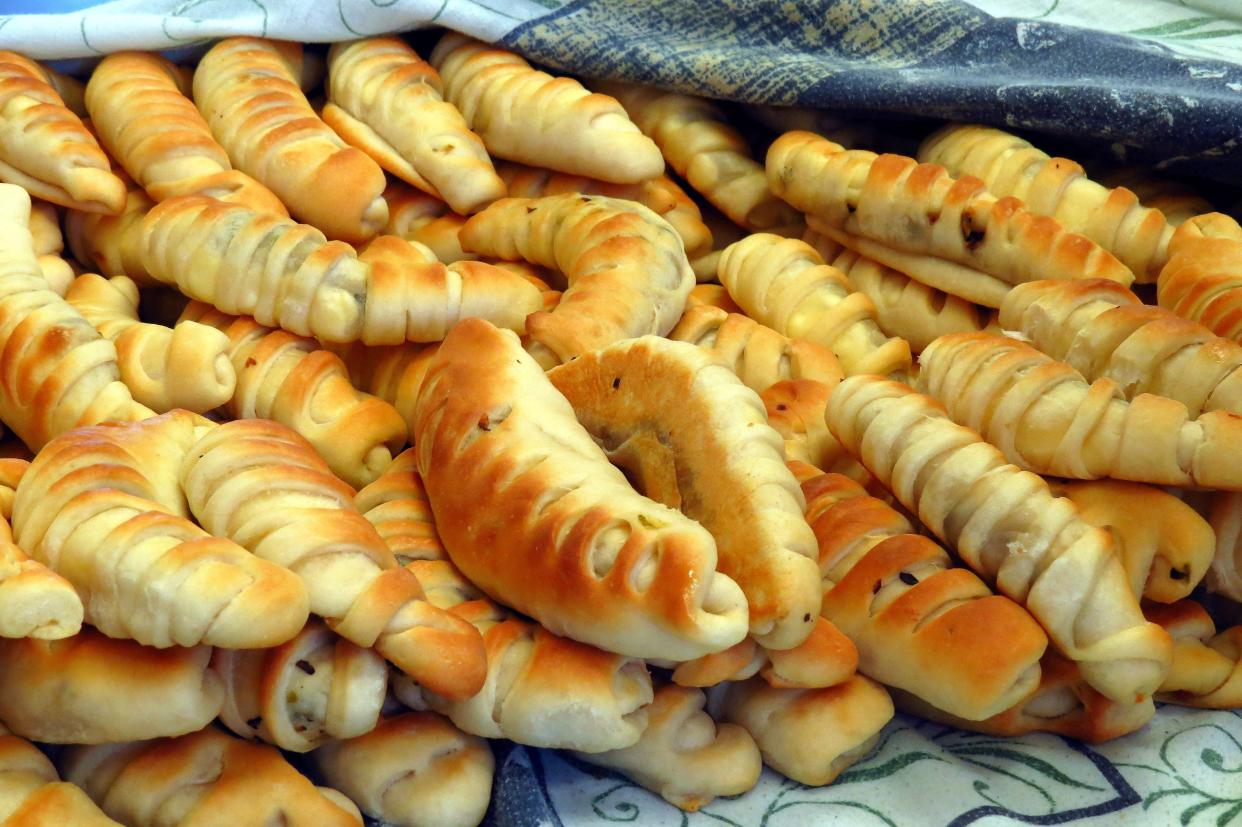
1175, 27
1037, 764
889, 767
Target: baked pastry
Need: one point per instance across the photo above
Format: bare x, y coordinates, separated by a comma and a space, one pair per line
102, 507
32, 795
1008, 165
396, 504
694, 438
683, 755
526, 115
1201, 280
302, 693
1006, 524
112, 244
91, 689
542, 690
418, 217
12, 469
140, 111
712, 295
49, 244
203, 779
949, 234
291, 380
186, 366
784, 284
387, 101
392, 373
1223, 510
44, 147
737, 663
57, 371
1046, 418
795, 408
35, 602
263, 486
566, 539
809, 735
414, 769
627, 272
1172, 196
700, 145
1163, 544
247, 89
1206, 671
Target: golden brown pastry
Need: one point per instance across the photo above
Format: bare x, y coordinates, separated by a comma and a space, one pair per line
302, 693
712, 295
1223, 510
45, 228
32, 795
526, 115
35, 602
701, 146
247, 90
394, 373
387, 101
396, 504
44, 147
91, 689
684, 756
416, 216
12, 469
262, 485
112, 244
1046, 418
200, 780
627, 272
1006, 524
1203, 276
826, 658
295, 382
413, 770
140, 111
102, 507
950, 234
783, 283
1175, 198
1206, 671
795, 408
694, 438
1011, 166
737, 663
565, 539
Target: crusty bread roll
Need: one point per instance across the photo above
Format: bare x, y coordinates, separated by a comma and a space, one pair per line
413, 770
1008, 165
530, 116
263, 486
396, 504
783, 283
207, 778
416, 216
1207, 667
112, 244
91, 689
295, 382
1046, 418
44, 147
696, 439
102, 507
949, 234
627, 271
140, 111
683, 755
386, 100
35, 602
302, 693
565, 539
32, 795
1202, 280
393, 373
1006, 524
247, 89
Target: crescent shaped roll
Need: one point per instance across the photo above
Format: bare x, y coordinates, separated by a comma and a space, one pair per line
32, 795
396, 504
1006, 524
795, 408
393, 373
1202, 280
566, 540
416, 216
35, 602
1207, 666
112, 244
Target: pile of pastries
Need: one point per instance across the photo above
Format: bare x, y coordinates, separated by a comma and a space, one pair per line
369, 407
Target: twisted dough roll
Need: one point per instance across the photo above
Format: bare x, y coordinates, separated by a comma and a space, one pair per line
1224, 513
394, 374
112, 244
12, 469
713, 295
386, 100
418, 217
45, 148
920, 624
1046, 418
139, 109
247, 89
1164, 546
264, 486
293, 381
101, 506
530, 116
683, 755
1006, 524
35, 602
1177, 200
186, 366
201, 780
1203, 278
695, 438
949, 234
541, 689
566, 539
302, 693
91, 689
413, 770
1207, 667
32, 795
627, 272
795, 408
784, 284
396, 504
56, 371
699, 144
1010, 166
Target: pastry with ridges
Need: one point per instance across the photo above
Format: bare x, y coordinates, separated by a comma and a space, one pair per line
32, 795
1207, 666
1202, 280
35, 602
396, 504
